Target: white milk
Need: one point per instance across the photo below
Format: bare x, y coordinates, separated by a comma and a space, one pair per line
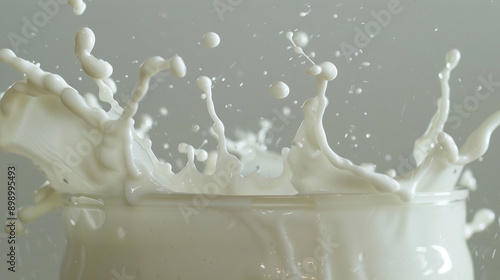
211, 40
374, 236
244, 226
279, 90
78, 6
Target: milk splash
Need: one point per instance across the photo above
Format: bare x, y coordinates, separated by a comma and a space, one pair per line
78, 6
83, 149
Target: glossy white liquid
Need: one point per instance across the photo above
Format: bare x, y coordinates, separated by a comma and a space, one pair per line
279, 90
211, 40
78, 6
375, 236
85, 150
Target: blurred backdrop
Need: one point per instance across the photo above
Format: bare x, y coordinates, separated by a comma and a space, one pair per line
388, 54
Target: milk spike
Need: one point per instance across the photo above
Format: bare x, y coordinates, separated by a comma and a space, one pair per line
429, 139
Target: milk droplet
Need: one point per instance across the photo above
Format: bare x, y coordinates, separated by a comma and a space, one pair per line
300, 39
15, 226
145, 124
211, 40
303, 14
195, 128
78, 6
391, 173
93, 67
201, 155
204, 83
279, 90
163, 111
177, 66
328, 71
287, 111
452, 59
120, 232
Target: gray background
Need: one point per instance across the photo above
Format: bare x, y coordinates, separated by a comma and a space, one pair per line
399, 88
